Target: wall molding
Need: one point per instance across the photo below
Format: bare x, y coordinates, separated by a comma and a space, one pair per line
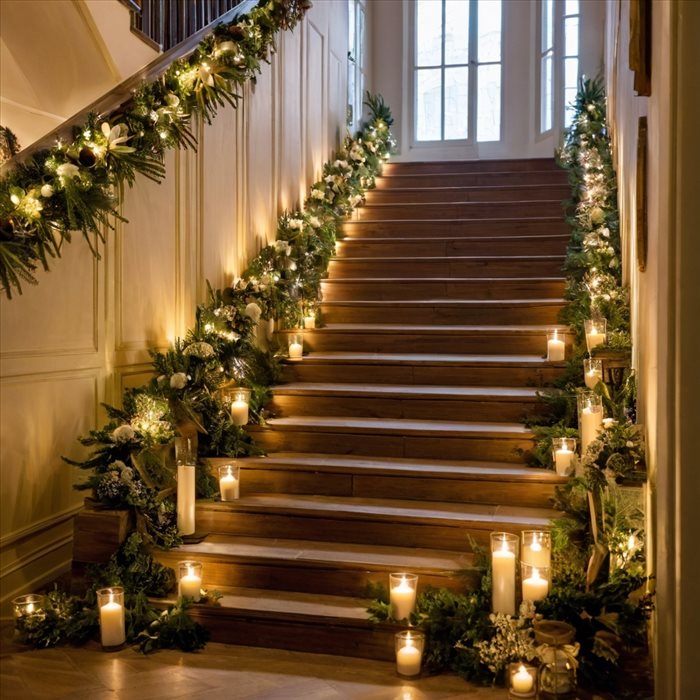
39, 526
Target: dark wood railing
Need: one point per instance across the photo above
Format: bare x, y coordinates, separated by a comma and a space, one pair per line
167, 23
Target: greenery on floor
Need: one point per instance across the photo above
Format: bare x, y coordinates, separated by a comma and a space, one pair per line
598, 562
72, 186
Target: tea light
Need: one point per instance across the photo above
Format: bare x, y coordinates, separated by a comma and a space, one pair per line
536, 548
564, 450
504, 547
110, 602
556, 349
522, 680
402, 594
535, 582
310, 321
185, 498
229, 482
595, 332
592, 372
27, 604
190, 584
590, 418
296, 346
409, 652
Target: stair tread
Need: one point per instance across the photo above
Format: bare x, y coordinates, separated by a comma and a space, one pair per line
382, 508
424, 358
489, 303
409, 280
463, 219
441, 468
413, 239
388, 425
331, 554
445, 258
402, 328
470, 188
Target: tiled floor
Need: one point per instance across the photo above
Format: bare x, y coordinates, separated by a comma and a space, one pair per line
219, 671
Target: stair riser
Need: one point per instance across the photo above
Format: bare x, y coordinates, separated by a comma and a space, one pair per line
458, 210
470, 194
402, 374
392, 445
417, 269
426, 315
473, 343
524, 245
444, 227
414, 487
286, 576
452, 536
467, 289
471, 166
374, 407
494, 179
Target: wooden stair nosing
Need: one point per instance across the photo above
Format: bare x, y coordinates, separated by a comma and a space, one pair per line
472, 166
503, 178
443, 329
437, 359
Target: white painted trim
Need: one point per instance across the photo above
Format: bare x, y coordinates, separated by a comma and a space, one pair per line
39, 526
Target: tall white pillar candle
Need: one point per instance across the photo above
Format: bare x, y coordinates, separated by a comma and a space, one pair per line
503, 575
185, 498
402, 595
591, 423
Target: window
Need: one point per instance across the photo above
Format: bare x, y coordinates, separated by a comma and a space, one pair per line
356, 61
559, 61
457, 70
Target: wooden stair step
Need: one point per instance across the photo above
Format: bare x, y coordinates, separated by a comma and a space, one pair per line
394, 437
448, 266
388, 288
295, 621
485, 179
444, 311
419, 211
435, 525
471, 166
421, 368
494, 193
389, 477
403, 401
356, 247
305, 566
429, 338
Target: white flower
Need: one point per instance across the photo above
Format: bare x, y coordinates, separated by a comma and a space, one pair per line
172, 100
178, 380
47, 191
67, 170
296, 224
253, 311
355, 199
116, 136
124, 433
161, 379
313, 221
317, 194
340, 164
292, 265
283, 247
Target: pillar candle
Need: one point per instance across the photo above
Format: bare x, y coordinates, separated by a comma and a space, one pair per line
594, 338
310, 321
503, 574
555, 349
191, 585
535, 587
403, 600
408, 659
296, 350
562, 460
112, 630
591, 423
185, 498
522, 681
239, 412
229, 486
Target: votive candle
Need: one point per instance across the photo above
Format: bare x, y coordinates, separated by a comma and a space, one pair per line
110, 602
402, 594
229, 482
190, 583
409, 652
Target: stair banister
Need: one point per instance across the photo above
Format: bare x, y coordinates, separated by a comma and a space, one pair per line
121, 94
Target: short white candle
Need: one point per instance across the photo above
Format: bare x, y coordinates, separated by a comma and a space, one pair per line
229, 487
591, 423
30, 608
535, 587
310, 321
403, 600
239, 412
503, 575
522, 681
555, 349
594, 338
190, 585
296, 350
185, 498
408, 659
112, 630
562, 460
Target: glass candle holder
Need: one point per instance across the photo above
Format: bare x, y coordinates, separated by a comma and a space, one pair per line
230, 482
595, 332
590, 418
563, 453
522, 680
110, 603
402, 594
504, 554
296, 345
557, 652
536, 548
185, 451
409, 652
238, 401
309, 319
186, 494
535, 582
190, 579
27, 604
556, 347
592, 372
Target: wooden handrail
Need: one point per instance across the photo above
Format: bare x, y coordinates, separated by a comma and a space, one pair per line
122, 93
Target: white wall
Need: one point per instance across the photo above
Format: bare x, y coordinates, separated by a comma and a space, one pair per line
665, 303
390, 75
83, 333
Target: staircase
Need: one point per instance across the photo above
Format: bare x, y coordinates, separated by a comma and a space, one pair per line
397, 435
